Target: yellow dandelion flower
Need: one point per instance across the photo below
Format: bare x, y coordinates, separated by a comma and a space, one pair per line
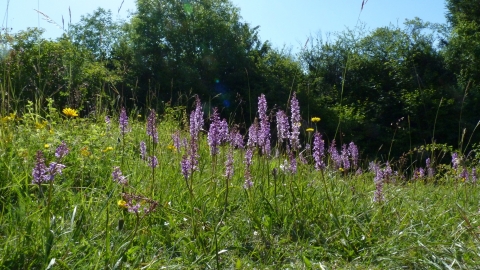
316, 119
309, 129
122, 204
69, 112
46, 146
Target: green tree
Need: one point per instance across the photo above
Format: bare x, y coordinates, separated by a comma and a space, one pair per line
36, 69
368, 82
97, 32
462, 55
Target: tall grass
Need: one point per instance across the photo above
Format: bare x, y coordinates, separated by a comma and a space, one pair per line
286, 218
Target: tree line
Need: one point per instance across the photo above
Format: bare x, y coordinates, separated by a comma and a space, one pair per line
389, 89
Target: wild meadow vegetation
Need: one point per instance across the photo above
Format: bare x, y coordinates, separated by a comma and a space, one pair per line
179, 140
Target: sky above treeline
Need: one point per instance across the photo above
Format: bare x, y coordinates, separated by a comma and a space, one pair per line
282, 22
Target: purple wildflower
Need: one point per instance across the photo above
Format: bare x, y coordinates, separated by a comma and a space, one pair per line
318, 151
118, 176
229, 165
455, 161
133, 208
123, 122
42, 174
345, 157
152, 126
248, 161
40, 170
55, 168
293, 163
192, 153
196, 119
217, 132
379, 179
153, 161
248, 180
419, 174
282, 126
352, 148
186, 167
373, 167
176, 140
62, 150
143, 150
336, 158
235, 138
295, 123
381, 176
264, 131
388, 172
248, 157
253, 134
464, 175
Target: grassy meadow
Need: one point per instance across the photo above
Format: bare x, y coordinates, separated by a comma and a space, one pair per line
187, 190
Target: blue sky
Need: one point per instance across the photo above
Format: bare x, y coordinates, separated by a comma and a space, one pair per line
282, 22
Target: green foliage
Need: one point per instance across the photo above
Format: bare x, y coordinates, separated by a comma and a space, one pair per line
370, 81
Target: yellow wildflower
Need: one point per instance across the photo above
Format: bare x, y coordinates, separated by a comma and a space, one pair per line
46, 146
84, 152
122, 204
309, 129
8, 118
315, 119
69, 112
172, 147
109, 148
41, 125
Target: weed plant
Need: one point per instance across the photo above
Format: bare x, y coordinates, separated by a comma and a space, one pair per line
125, 193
